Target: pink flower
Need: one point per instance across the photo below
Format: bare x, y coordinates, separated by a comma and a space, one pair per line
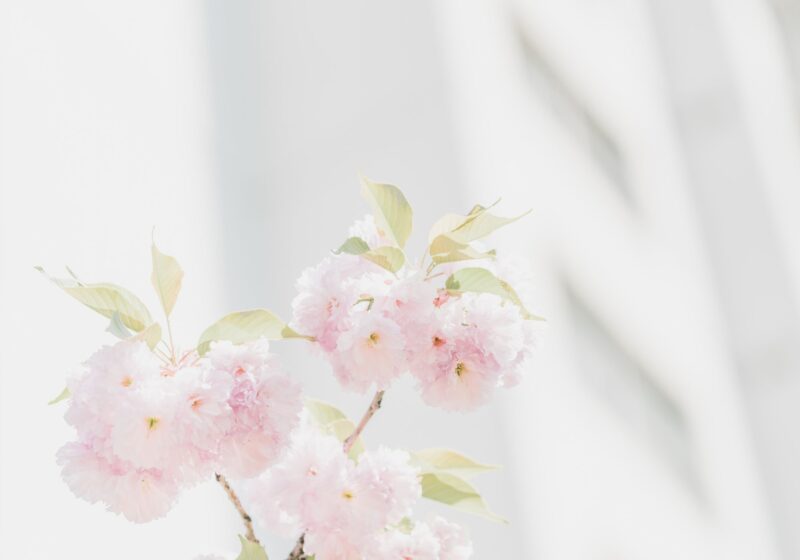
370, 352
110, 373
455, 373
389, 472
419, 544
144, 428
302, 482
145, 431
454, 542
139, 494
264, 407
325, 296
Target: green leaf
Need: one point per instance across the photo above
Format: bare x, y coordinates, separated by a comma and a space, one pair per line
480, 280
117, 327
334, 422
63, 395
392, 212
465, 229
449, 461
323, 413
151, 335
245, 326
390, 258
167, 278
445, 250
456, 492
251, 550
353, 246
107, 299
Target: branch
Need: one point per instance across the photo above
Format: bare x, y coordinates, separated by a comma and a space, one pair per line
297, 552
248, 521
374, 406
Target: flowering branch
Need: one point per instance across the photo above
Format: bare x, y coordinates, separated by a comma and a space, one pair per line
248, 521
297, 552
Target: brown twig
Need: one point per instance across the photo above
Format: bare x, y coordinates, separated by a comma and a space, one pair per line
248, 521
374, 406
297, 552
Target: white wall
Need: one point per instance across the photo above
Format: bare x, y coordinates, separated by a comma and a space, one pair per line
238, 130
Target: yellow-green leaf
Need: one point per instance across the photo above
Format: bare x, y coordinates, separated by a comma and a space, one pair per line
390, 258
456, 492
151, 335
333, 421
480, 280
480, 225
107, 299
445, 250
245, 326
449, 461
392, 212
63, 395
251, 550
353, 246
167, 278
117, 327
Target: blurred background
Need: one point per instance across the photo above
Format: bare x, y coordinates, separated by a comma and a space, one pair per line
657, 142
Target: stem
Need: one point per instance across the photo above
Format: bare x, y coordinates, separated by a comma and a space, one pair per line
248, 521
297, 552
374, 406
171, 343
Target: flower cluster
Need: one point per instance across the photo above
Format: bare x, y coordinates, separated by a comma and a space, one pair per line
373, 325
145, 429
151, 422
349, 510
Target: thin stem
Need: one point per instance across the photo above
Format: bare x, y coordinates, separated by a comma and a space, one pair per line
248, 521
171, 343
297, 552
374, 406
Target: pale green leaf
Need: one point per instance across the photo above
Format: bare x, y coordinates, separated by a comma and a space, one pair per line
480, 280
353, 246
334, 422
464, 229
63, 395
117, 327
405, 525
323, 413
446, 224
456, 492
151, 335
480, 225
107, 299
449, 461
390, 258
445, 250
251, 550
245, 326
167, 278
342, 429
392, 212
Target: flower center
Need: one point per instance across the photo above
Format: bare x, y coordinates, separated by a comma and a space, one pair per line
438, 341
348, 495
152, 423
461, 367
374, 338
196, 403
127, 381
